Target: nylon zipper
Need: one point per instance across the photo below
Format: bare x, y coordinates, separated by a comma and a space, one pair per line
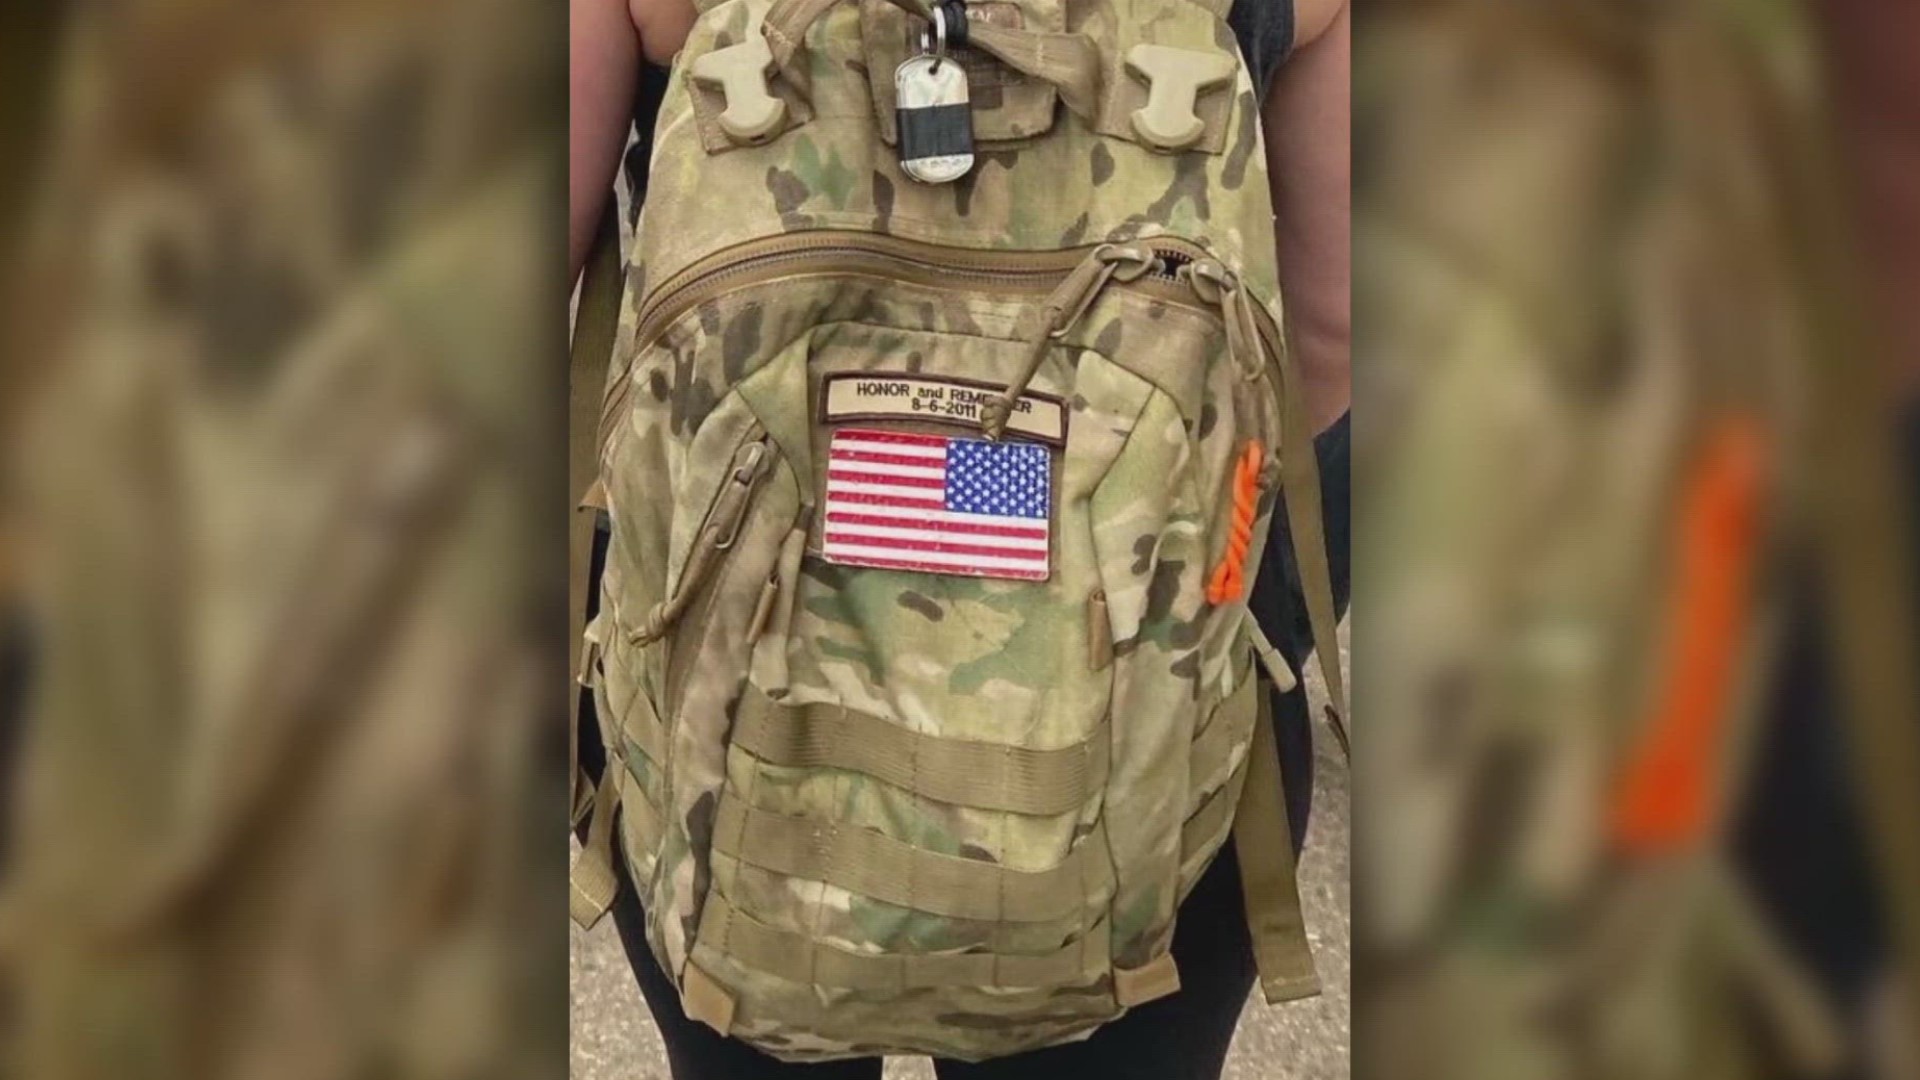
834, 251
719, 529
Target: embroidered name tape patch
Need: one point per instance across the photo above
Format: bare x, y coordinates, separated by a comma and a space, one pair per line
893, 397
903, 501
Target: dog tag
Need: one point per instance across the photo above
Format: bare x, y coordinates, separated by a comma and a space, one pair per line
934, 118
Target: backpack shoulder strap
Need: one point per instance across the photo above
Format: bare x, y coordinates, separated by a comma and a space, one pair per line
596, 324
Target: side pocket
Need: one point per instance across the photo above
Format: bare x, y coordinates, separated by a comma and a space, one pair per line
740, 521
773, 616
1217, 772
636, 743
1150, 539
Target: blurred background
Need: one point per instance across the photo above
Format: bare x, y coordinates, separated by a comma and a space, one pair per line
1637, 772
1637, 769
282, 412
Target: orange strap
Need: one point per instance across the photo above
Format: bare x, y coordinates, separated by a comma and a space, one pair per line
1229, 580
1662, 803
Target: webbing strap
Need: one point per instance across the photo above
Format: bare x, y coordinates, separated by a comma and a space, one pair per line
592, 885
1154, 980
726, 932
702, 998
987, 776
596, 323
637, 813
870, 863
787, 22
1300, 489
1278, 670
1070, 62
1264, 846
639, 722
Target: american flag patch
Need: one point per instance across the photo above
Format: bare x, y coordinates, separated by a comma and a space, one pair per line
904, 501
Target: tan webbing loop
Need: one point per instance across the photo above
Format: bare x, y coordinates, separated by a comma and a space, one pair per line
1214, 815
870, 863
798, 958
787, 22
637, 814
596, 324
640, 724
1137, 986
705, 1000
1070, 62
1284, 680
593, 884
1264, 846
587, 676
987, 776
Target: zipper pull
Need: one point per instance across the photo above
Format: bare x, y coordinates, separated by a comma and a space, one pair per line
1068, 304
716, 536
1219, 286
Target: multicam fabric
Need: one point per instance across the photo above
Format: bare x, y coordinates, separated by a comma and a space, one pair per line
884, 811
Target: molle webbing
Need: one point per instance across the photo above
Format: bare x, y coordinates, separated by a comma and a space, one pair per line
985, 776
1228, 729
1263, 844
797, 958
869, 863
640, 815
1207, 823
639, 723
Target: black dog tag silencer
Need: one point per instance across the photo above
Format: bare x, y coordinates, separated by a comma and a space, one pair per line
934, 114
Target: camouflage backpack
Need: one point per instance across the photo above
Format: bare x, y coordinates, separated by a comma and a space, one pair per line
923, 656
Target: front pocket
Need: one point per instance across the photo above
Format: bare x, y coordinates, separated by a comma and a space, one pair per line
1112, 405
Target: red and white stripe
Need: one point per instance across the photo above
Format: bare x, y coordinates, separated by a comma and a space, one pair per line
886, 508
